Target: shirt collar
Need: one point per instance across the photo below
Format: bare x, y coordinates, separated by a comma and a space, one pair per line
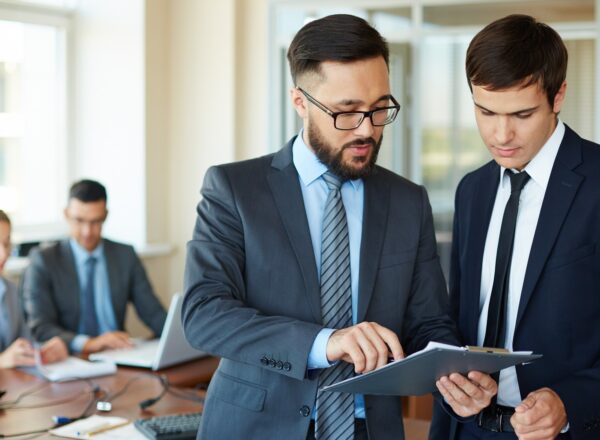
308, 165
541, 165
81, 254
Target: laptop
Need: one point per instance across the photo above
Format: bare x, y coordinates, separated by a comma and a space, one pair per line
172, 347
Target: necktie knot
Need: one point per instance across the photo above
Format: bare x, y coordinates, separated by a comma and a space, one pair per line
333, 182
518, 180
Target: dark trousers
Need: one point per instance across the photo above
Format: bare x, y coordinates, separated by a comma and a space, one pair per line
360, 430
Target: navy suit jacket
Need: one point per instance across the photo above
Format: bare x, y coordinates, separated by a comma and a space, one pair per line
559, 310
253, 296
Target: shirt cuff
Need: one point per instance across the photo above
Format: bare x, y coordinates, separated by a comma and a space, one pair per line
565, 429
78, 342
317, 358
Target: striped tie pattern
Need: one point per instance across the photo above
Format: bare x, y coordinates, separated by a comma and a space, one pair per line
335, 411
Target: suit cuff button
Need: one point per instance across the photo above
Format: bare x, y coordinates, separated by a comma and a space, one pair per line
287, 366
279, 365
264, 360
272, 363
305, 411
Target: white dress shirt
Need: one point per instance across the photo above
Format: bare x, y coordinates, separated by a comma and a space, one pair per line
530, 205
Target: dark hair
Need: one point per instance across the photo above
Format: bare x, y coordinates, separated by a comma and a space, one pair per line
87, 191
4, 217
339, 37
517, 50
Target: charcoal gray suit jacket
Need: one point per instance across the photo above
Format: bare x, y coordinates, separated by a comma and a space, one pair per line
253, 298
51, 290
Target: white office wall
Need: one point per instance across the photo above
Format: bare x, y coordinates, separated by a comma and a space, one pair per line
108, 109
165, 90
201, 118
252, 79
157, 111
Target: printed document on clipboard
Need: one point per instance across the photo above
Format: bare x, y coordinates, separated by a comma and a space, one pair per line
416, 374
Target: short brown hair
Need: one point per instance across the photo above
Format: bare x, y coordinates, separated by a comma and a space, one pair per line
339, 37
517, 50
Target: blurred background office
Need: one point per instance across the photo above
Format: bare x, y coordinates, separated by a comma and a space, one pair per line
144, 95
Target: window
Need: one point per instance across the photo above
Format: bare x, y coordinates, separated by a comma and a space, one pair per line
33, 139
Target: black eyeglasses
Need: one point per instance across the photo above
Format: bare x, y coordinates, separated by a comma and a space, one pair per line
352, 120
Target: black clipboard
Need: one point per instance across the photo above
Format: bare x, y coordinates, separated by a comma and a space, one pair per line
416, 375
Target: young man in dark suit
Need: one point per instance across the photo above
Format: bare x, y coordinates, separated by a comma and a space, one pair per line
526, 245
313, 262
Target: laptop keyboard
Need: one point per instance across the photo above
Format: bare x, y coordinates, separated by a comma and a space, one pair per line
175, 427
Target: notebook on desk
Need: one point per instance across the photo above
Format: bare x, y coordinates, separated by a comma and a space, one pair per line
172, 347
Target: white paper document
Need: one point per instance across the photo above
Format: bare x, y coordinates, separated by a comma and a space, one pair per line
74, 368
99, 428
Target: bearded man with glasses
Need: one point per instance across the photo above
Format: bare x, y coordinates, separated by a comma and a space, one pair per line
312, 264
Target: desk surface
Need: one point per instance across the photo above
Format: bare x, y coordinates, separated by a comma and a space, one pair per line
72, 397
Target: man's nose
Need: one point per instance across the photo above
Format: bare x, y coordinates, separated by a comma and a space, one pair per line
504, 131
365, 129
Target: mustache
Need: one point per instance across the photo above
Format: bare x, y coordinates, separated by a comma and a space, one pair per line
363, 141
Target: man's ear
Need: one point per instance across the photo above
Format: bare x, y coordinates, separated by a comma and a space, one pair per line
299, 102
559, 98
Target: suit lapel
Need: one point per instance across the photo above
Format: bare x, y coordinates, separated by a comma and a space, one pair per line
71, 279
375, 214
482, 206
562, 188
285, 186
113, 281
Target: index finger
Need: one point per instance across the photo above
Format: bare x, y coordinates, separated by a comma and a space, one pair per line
391, 340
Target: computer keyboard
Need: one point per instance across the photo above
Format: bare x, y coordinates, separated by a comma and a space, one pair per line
175, 427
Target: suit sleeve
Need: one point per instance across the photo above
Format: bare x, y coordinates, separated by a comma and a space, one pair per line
215, 313
147, 305
441, 421
42, 314
426, 316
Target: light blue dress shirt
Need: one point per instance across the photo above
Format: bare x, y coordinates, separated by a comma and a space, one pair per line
314, 193
102, 295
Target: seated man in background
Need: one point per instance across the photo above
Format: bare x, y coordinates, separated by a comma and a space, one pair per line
15, 349
78, 289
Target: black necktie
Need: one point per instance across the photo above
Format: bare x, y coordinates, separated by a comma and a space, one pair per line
496, 326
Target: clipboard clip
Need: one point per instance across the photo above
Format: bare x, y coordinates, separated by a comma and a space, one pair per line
477, 349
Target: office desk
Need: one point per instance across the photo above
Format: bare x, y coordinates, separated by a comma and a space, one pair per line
72, 397
189, 374
126, 405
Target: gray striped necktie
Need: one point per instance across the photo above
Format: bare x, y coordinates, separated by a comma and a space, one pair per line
335, 411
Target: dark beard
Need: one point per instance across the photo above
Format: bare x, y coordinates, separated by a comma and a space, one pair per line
334, 161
